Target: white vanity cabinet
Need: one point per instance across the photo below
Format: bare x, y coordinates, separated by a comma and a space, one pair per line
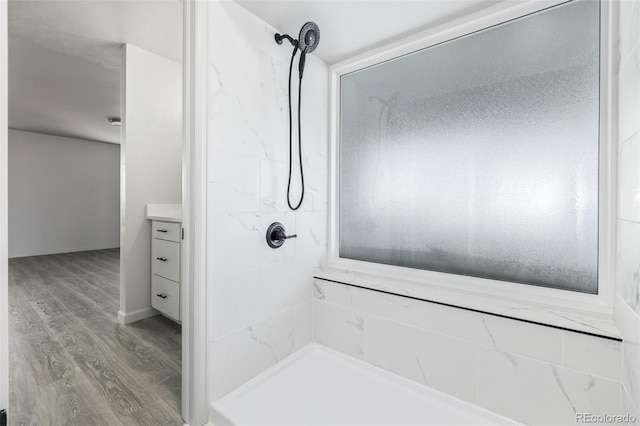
165, 267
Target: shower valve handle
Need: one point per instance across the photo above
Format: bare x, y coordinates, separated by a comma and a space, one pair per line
282, 236
276, 235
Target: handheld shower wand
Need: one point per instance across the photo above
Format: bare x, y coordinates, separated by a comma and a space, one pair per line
307, 42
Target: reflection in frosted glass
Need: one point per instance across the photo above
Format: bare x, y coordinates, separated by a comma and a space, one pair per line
479, 156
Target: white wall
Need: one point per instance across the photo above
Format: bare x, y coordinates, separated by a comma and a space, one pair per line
64, 194
628, 266
259, 299
151, 88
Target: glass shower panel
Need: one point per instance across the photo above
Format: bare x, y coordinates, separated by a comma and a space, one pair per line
479, 156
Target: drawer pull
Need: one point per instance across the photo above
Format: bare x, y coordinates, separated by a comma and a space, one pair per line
162, 230
161, 295
162, 259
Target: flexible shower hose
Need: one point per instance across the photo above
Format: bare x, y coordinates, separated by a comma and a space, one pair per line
295, 50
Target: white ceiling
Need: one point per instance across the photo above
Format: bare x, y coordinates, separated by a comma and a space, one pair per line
349, 27
60, 94
64, 60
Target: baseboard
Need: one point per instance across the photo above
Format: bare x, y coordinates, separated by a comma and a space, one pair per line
140, 314
64, 250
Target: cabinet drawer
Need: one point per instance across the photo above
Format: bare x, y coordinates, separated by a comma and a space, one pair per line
165, 296
169, 231
165, 259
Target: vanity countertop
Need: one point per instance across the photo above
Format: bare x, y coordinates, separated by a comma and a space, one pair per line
165, 212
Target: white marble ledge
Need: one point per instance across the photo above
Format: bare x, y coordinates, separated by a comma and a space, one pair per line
165, 212
594, 324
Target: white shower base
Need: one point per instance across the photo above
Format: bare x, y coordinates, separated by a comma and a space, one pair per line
319, 386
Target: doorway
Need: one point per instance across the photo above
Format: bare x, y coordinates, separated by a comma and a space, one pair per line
59, 272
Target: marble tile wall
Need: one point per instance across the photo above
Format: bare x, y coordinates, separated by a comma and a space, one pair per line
259, 298
533, 374
627, 307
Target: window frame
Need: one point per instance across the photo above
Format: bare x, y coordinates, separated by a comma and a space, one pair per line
496, 295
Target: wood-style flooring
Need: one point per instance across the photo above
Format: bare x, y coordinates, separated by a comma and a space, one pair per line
71, 363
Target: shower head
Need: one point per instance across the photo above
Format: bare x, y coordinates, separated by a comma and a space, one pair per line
309, 37
307, 42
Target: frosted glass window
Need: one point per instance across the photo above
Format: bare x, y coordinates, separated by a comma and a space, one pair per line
479, 156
